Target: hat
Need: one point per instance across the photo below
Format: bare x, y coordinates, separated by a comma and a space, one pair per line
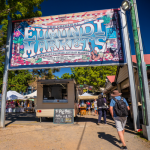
100, 96
116, 93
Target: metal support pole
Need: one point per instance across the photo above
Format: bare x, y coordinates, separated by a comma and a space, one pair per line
130, 70
146, 128
146, 101
138, 57
144, 67
5, 75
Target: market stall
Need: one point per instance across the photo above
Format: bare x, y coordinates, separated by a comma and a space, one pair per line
31, 101
83, 99
15, 102
55, 94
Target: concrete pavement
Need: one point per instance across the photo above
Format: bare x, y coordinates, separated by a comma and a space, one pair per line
24, 132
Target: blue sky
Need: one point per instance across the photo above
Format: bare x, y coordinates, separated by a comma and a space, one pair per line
66, 6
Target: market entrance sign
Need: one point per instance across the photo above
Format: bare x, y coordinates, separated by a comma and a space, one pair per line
81, 39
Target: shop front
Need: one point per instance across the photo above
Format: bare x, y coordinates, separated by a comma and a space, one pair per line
55, 94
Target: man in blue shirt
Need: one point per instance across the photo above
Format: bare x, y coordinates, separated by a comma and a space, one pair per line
119, 121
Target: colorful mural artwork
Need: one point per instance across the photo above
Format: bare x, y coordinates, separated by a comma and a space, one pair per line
89, 38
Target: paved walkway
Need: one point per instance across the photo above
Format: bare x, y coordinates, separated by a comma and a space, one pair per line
24, 132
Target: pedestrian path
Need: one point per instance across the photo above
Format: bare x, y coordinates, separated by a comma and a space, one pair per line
105, 136
84, 134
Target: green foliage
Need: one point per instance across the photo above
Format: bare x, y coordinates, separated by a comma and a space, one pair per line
19, 80
67, 76
94, 76
2, 58
44, 73
16, 10
19, 41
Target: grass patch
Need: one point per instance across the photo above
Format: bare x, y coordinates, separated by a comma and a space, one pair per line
140, 134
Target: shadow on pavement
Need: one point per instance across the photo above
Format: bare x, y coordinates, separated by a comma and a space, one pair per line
13, 117
108, 137
84, 119
129, 125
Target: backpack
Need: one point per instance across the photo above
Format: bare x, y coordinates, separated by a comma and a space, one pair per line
100, 102
121, 108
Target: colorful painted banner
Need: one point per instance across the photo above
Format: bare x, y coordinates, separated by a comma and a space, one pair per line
81, 39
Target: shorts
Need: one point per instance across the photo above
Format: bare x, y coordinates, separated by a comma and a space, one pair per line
95, 108
120, 123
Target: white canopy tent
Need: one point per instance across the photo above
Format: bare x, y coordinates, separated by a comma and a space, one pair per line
87, 96
12, 95
32, 95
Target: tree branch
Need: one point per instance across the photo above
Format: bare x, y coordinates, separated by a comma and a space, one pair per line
9, 9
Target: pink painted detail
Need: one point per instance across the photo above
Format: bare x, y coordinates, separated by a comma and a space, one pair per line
17, 33
21, 46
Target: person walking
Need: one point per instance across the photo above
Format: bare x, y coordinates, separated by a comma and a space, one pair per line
104, 110
100, 104
95, 107
118, 109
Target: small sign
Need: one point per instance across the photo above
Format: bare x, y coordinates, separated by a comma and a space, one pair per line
63, 116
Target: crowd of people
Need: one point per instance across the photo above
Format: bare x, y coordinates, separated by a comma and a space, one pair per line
91, 106
18, 106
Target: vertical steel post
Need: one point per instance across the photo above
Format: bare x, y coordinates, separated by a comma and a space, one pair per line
5, 75
138, 57
146, 106
130, 70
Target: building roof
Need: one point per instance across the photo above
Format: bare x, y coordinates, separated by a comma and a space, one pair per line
111, 78
55, 81
146, 59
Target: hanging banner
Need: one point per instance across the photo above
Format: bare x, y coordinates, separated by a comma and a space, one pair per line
81, 39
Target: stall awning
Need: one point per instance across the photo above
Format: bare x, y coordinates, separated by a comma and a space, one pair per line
87, 96
12, 95
32, 95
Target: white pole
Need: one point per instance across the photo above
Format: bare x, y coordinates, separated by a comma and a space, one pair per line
130, 70
5, 75
145, 128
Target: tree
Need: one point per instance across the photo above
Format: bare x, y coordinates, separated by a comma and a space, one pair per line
67, 76
94, 76
15, 10
2, 58
19, 80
